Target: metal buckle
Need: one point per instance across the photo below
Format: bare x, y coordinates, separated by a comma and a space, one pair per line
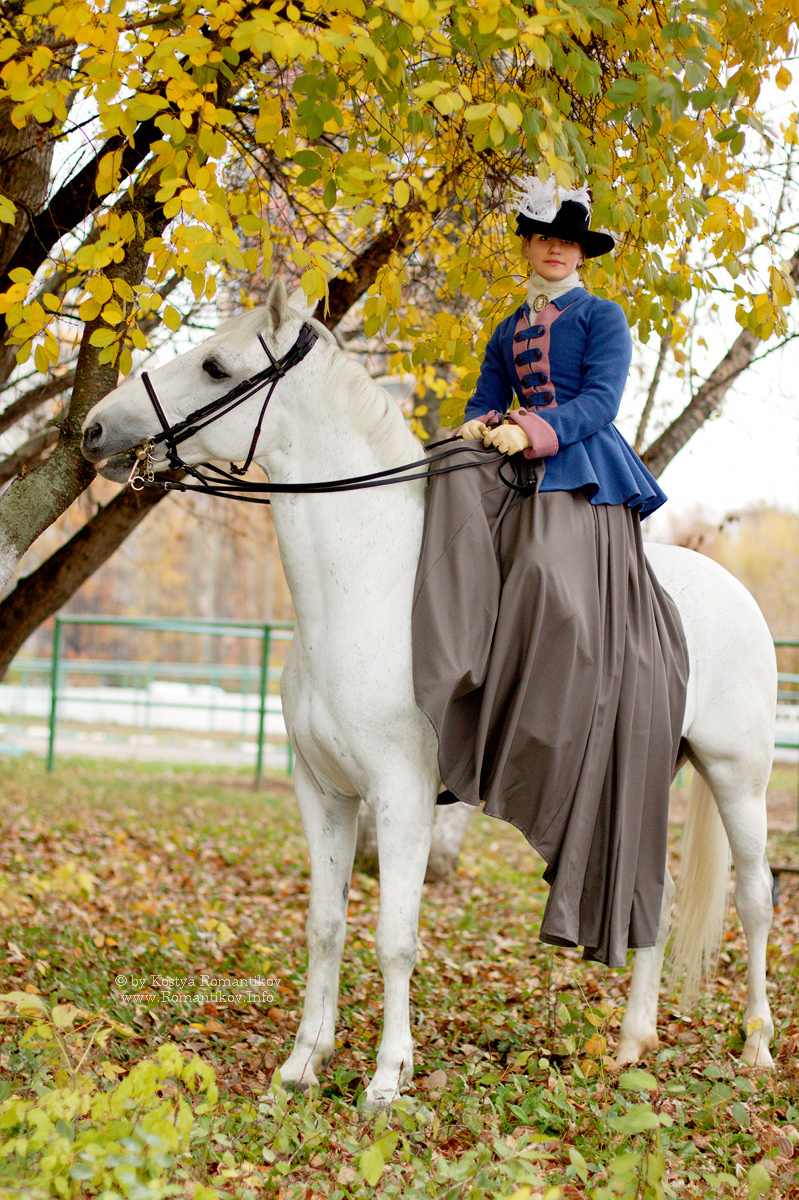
142, 472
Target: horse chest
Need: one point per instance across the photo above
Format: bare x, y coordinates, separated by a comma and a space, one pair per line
322, 720
327, 746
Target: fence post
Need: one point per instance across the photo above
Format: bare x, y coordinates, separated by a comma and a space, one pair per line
54, 678
264, 687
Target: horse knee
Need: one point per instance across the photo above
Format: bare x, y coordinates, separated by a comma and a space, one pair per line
396, 953
325, 933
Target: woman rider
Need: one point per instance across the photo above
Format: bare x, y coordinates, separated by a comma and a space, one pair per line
549, 660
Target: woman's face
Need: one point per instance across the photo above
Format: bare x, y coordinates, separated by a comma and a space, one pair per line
552, 257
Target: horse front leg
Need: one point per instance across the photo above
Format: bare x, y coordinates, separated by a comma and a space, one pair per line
638, 1035
404, 818
330, 825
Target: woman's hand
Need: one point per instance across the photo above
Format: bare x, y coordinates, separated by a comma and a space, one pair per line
508, 439
473, 430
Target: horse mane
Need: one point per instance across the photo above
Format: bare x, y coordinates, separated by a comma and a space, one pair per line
367, 404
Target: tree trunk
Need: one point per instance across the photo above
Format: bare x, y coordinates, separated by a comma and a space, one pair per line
41, 594
704, 403
35, 501
26, 160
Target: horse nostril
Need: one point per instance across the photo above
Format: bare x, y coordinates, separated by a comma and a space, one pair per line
93, 434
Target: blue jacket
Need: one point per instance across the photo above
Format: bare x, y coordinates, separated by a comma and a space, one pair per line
568, 366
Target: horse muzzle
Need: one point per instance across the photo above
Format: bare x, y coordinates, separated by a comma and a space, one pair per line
112, 460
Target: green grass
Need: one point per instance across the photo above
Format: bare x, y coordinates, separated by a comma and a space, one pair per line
115, 871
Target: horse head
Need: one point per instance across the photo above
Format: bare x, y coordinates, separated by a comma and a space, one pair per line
242, 350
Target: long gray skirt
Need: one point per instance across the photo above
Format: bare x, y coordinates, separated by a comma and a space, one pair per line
553, 668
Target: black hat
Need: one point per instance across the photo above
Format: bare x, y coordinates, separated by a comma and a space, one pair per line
542, 208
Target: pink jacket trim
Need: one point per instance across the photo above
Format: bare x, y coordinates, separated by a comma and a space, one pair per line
543, 439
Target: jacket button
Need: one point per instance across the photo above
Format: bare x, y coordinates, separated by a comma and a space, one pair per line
518, 360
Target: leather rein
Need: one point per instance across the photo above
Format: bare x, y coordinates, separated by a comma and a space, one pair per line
215, 481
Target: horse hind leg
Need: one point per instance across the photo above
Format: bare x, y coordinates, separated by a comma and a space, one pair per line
740, 793
330, 825
704, 881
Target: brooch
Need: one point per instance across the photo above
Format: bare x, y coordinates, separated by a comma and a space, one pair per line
541, 301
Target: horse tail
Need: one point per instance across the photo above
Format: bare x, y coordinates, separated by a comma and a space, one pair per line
701, 893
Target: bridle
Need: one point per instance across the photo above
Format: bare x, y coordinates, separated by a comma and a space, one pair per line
215, 481
173, 435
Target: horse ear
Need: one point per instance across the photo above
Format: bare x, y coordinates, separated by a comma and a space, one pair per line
301, 304
276, 304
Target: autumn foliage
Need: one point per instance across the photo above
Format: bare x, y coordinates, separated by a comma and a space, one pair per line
116, 874
251, 135
158, 160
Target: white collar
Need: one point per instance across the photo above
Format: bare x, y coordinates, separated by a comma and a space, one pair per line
547, 290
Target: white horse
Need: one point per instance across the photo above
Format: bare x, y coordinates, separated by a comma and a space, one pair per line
347, 689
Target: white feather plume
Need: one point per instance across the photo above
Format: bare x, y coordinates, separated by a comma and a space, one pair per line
541, 201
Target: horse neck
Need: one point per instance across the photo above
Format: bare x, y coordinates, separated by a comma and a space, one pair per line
343, 553
333, 422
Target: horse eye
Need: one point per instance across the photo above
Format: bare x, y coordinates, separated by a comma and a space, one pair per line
213, 369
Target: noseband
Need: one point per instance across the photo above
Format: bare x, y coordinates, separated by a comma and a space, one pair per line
173, 435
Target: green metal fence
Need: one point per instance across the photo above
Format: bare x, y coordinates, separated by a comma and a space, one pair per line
249, 679
270, 634
787, 693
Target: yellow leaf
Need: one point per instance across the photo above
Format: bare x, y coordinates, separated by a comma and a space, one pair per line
113, 314
64, 1015
90, 309
783, 78
102, 337
41, 360
85, 881
108, 172
171, 318
8, 210
596, 1045
402, 193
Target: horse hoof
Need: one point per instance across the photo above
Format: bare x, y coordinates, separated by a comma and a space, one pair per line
378, 1102
297, 1083
629, 1051
376, 1099
757, 1054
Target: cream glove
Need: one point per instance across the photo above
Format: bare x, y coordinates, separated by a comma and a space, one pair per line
508, 439
472, 430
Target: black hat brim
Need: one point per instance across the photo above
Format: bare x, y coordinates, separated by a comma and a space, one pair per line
592, 241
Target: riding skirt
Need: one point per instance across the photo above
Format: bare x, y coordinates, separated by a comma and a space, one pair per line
553, 668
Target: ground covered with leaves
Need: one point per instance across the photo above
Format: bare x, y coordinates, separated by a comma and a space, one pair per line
120, 883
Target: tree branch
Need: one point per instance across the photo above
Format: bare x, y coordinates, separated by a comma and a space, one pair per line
649, 404
28, 452
348, 287
709, 397
75, 201
704, 403
31, 399
41, 594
